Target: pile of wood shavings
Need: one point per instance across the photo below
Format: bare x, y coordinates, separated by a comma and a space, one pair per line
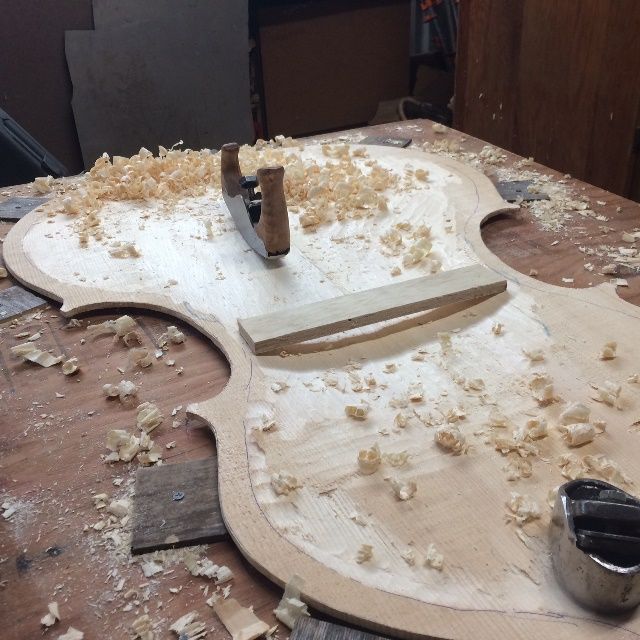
318, 192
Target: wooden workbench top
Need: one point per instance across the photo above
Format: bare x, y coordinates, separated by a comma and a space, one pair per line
51, 445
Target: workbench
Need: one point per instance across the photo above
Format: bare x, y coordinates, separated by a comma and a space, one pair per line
53, 432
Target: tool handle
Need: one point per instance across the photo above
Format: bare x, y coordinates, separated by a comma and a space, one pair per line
230, 173
273, 227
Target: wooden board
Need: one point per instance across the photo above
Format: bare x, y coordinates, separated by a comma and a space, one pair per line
308, 628
492, 583
584, 115
272, 331
176, 506
14, 301
170, 91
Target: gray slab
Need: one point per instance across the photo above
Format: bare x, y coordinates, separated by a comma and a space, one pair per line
18, 207
183, 74
176, 505
15, 301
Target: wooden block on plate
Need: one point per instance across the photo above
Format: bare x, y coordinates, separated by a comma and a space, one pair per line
176, 505
273, 331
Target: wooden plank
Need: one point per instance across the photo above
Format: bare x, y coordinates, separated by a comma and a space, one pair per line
307, 628
15, 301
176, 505
271, 331
583, 118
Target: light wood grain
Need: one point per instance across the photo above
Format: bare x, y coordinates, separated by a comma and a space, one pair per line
493, 585
272, 331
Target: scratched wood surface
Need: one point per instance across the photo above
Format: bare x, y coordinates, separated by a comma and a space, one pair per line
36, 571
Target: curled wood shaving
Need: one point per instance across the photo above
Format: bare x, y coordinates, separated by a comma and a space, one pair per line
574, 413
291, 608
433, 558
241, 622
403, 489
284, 483
369, 460
575, 435
608, 351
142, 628
149, 417
123, 390
30, 353
188, 627
449, 437
141, 357
70, 366
523, 509
52, 616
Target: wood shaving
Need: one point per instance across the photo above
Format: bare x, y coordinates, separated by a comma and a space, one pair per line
634, 378
575, 435
52, 616
43, 184
444, 338
124, 250
542, 388
533, 429
415, 393
438, 128
449, 437
291, 608
497, 328
358, 412
433, 558
608, 393
188, 627
369, 460
123, 390
364, 554
400, 420
149, 417
534, 355
398, 459
142, 628
409, 556
507, 445
403, 489
173, 335
517, 468
571, 467
72, 634
241, 622
390, 367
70, 367
608, 351
30, 353
605, 468
284, 483
131, 338
523, 509
575, 413
141, 357
497, 419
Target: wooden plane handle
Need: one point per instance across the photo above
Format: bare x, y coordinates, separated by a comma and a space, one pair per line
230, 168
273, 227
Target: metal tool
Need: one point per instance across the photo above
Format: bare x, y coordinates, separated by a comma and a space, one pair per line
514, 190
595, 545
261, 217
